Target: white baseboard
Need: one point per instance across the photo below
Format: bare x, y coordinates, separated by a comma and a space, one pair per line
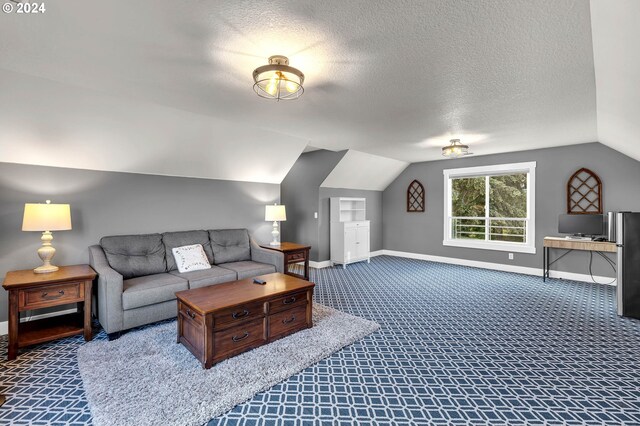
319, 265
502, 267
327, 263
4, 326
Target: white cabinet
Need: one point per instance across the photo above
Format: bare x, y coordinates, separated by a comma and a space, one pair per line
349, 231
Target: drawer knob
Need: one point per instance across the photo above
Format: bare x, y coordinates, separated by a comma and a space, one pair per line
242, 314
45, 295
244, 336
191, 314
289, 300
287, 321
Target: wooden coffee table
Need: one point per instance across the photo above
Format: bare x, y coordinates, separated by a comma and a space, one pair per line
223, 320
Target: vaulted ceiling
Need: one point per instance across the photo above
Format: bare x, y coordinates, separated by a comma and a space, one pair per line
165, 87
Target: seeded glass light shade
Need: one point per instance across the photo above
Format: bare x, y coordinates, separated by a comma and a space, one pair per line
278, 80
455, 149
46, 218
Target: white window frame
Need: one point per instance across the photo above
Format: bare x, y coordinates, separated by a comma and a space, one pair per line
498, 169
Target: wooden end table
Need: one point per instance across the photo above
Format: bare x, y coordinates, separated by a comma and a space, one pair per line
29, 291
293, 253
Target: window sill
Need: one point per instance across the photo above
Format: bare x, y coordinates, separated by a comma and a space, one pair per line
494, 245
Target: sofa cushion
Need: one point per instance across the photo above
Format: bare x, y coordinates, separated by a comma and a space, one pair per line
172, 240
207, 277
151, 289
249, 268
230, 245
135, 255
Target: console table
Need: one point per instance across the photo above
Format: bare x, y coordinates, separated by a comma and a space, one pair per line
29, 291
293, 253
569, 244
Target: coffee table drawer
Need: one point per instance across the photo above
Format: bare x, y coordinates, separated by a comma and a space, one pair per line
237, 315
51, 295
287, 322
288, 302
234, 339
189, 314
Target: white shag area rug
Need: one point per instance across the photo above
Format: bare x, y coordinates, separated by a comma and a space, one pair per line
146, 378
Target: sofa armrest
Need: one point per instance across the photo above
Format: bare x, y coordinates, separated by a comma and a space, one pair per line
272, 257
109, 291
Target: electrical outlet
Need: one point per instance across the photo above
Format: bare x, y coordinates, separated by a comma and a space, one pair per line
510, 256
315, 215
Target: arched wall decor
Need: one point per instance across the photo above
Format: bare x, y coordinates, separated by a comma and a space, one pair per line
584, 193
415, 197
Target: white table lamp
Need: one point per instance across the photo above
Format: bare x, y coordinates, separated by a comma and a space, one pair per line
46, 218
275, 214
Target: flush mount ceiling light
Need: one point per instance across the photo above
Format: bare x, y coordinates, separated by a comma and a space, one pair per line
278, 80
455, 149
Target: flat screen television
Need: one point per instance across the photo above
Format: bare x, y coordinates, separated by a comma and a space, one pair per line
581, 224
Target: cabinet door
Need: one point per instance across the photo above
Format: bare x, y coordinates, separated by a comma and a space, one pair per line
362, 242
350, 243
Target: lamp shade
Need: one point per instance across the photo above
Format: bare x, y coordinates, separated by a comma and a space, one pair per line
46, 217
275, 213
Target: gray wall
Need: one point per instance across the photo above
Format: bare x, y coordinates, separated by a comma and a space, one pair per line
374, 215
107, 203
300, 191
423, 232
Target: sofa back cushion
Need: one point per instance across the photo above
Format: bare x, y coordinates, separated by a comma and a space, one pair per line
172, 240
230, 245
135, 255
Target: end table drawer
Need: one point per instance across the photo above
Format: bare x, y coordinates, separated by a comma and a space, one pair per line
288, 302
51, 295
295, 257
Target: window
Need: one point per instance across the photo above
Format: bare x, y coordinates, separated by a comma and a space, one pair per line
491, 207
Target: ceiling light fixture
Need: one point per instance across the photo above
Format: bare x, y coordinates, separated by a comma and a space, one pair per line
455, 149
278, 80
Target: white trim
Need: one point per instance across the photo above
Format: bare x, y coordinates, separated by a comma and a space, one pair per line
491, 245
501, 267
4, 326
493, 170
327, 263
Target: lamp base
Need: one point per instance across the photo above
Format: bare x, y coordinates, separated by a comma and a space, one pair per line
45, 269
275, 234
46, 253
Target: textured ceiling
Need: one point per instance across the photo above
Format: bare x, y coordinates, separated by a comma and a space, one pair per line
397, 80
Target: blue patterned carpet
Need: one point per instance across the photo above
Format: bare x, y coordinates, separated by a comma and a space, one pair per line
458, 345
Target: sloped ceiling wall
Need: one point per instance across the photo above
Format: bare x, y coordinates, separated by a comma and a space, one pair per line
395, 80
359, 170
616, 51
48, 123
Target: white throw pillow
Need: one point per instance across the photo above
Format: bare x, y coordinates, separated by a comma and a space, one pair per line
190, 258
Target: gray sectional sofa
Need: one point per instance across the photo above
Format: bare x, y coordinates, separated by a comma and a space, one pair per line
138, 276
